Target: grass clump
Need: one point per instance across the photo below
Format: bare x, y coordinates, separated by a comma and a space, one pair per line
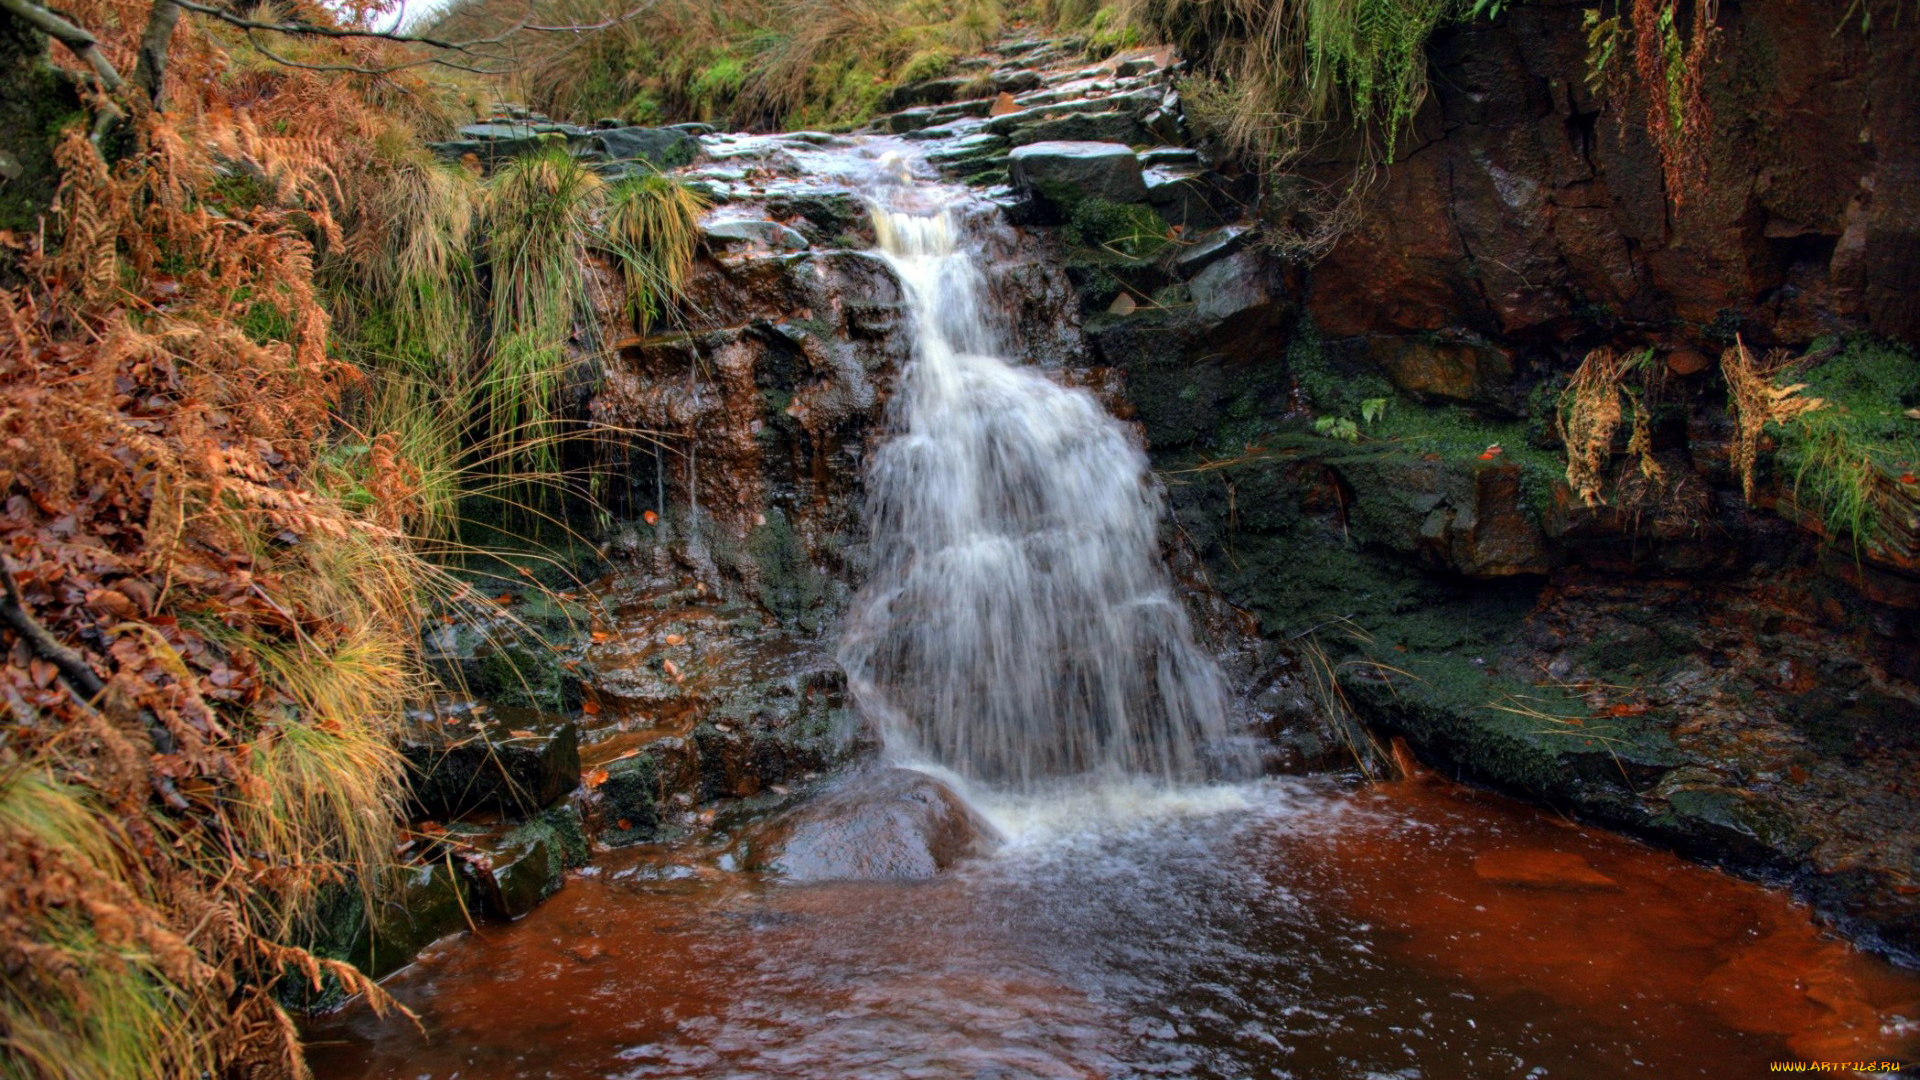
652, 227
1853, 463
538, 212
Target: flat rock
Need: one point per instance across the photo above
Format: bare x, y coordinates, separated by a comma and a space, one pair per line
1064, 173
663, 148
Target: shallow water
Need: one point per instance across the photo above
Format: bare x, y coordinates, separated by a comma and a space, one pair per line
1282, 929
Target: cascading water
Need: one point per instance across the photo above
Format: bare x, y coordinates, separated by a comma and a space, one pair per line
1019, 626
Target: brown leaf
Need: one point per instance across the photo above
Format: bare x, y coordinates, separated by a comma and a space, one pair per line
675, 639
601, 637
1003, 105
594, 778
522, 733
590, 707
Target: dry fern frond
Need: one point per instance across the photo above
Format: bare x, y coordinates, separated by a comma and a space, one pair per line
1756, 401
1590, 412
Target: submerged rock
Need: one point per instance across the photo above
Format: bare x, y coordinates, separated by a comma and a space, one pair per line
878, 825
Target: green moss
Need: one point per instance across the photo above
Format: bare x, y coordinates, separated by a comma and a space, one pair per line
789, 586
1330, 388
1458, 434
1132, 231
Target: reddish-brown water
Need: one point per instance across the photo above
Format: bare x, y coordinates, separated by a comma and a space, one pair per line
1282, 930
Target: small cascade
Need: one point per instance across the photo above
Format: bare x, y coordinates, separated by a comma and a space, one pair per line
1019, 626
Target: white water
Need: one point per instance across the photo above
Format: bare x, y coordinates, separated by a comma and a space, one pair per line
1019, 626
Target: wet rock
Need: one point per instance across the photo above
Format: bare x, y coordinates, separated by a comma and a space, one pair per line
1108, 126
1434, 368
880, 825
661, 148
930, 92
415, 907
746, 234
632, 800
508, 873
516, 762
1062, 174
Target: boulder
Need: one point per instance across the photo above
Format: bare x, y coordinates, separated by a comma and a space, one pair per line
1062, 174
517, 762
1229, 286
876, 825
1435, 368
662, 148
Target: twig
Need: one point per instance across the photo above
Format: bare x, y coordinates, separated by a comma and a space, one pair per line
83, 44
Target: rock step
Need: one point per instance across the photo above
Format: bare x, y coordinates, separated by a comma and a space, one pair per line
513, 761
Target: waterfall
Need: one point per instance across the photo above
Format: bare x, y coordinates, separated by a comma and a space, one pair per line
1019, 626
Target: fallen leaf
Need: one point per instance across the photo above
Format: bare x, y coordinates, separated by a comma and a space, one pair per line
522, 733
1624, 710
673, 669
1003, 105
1123, 304
600, 637
1908, 478
675, 639
504, 598
594, 778
524, 572
651, 518
624, 823
590, 707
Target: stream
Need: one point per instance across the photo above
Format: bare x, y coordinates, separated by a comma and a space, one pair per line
1296, 929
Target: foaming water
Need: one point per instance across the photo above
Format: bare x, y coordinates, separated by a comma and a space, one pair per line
1019, 625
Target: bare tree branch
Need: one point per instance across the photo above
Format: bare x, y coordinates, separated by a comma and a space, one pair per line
355, 69
83, 45
150, 73
314, 30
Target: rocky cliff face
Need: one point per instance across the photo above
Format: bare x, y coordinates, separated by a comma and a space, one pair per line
1522, 210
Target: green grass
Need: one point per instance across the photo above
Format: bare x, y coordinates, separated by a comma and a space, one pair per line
652, 226
1842, 460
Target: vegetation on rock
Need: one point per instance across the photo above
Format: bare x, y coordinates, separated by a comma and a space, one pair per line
262, 354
